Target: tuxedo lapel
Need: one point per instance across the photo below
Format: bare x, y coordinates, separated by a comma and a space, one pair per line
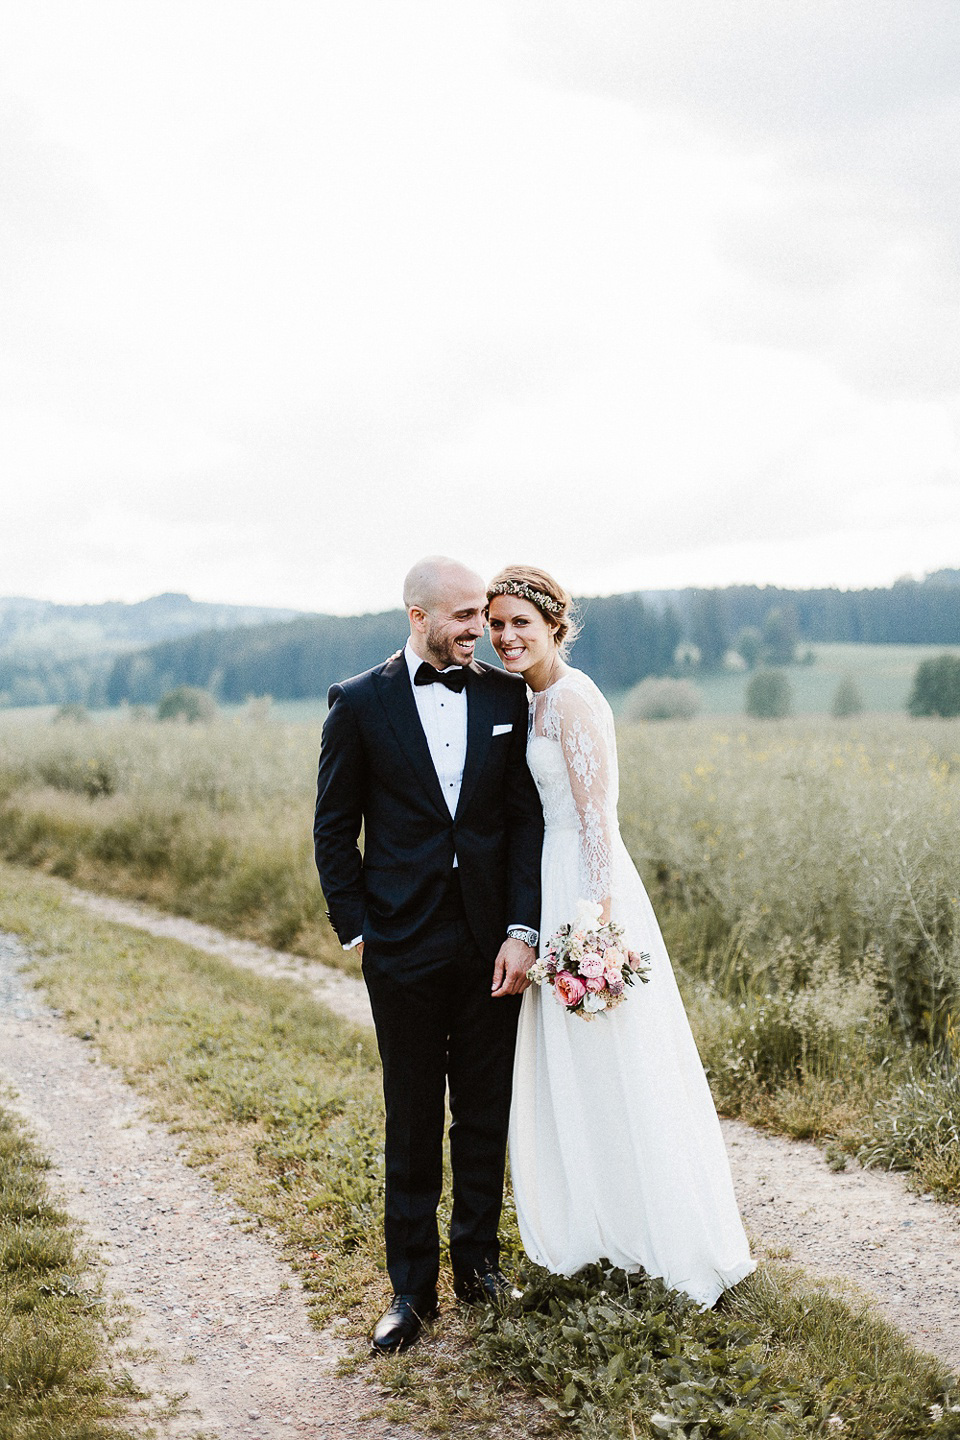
396, 696
479, 722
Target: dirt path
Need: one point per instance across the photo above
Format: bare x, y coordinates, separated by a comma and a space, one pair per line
341, 992
864, 1226
217, 1317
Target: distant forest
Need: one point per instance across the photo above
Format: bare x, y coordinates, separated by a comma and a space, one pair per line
623, 639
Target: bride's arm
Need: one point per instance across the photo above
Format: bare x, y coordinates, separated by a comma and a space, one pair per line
589, 749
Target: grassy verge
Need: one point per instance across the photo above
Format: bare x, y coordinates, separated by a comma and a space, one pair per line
281, 1103
55, 1380
212, 825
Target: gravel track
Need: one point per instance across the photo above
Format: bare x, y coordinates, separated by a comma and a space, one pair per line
224, 1319
217, 1317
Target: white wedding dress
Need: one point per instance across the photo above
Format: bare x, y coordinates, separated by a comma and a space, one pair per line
615, 1147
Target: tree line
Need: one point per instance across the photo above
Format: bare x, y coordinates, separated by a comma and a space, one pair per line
623, 639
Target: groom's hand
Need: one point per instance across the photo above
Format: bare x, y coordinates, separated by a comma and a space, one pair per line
511, 966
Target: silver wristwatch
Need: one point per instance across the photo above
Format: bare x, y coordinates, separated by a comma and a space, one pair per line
524, 933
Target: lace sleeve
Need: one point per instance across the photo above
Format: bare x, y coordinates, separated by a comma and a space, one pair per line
587, 736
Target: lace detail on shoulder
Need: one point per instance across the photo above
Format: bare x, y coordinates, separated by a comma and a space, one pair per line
575, 714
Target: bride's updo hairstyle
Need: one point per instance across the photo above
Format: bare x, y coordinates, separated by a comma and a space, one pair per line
554, 603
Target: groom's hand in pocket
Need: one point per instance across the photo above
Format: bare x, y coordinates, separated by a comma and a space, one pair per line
511, 966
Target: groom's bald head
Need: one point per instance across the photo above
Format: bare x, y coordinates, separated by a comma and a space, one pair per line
434, 581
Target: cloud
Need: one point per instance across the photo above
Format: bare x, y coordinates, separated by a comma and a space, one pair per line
292, 295
844, 238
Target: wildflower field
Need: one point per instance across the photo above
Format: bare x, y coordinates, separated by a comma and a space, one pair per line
806, 874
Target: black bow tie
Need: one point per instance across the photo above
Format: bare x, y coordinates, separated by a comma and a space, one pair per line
453, 679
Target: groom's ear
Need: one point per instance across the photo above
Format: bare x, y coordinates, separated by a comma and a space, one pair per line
418, 618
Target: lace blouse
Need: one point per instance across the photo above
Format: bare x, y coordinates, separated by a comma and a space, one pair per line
575, 716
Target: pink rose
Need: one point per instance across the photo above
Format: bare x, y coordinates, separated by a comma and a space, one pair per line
596, 983
613, 958
634, 960
591, 964
570, 989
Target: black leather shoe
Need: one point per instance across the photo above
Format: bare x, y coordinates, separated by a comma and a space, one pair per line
402, 1323
483, 1287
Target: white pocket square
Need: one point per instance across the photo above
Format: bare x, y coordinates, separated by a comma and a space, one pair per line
502, 729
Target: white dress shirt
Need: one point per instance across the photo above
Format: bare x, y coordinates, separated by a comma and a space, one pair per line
443, 715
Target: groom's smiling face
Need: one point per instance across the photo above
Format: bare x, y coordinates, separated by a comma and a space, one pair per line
454, 623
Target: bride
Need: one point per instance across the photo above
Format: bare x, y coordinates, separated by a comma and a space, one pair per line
615, 1146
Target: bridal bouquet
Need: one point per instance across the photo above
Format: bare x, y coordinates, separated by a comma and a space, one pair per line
587, 965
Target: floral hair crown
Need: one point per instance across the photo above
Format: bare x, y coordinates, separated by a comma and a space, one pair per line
527, 592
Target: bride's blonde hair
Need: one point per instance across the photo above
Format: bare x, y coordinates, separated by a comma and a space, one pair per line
554, 603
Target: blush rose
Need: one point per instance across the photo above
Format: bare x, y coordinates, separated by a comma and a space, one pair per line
570, 988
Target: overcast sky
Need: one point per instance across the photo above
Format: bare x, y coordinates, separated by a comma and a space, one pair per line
651, 294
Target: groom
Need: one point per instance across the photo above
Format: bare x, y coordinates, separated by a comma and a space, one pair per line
428, 753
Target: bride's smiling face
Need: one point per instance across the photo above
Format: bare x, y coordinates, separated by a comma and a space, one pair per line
520, 634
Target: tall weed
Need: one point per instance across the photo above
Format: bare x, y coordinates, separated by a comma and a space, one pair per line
808, 830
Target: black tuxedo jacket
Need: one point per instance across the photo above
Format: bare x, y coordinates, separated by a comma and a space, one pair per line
375, 771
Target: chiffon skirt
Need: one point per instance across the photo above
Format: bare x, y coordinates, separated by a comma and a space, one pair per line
615, 1147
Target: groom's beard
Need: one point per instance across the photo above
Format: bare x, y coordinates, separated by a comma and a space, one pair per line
442, 649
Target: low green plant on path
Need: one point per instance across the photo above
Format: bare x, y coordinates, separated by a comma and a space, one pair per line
622, 1355
56, 1381
280, 1102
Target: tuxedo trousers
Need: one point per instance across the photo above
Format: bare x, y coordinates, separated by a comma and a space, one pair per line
439, 1029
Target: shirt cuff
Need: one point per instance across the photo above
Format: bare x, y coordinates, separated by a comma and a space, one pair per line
353, 943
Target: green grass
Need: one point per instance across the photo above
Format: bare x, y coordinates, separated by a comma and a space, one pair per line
883, 673
280, 1102
56, 1376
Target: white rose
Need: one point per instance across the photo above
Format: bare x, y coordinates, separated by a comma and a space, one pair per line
588, 914
594, 1002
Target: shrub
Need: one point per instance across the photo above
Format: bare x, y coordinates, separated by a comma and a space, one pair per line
805, 1011
662, 699
847, 699
780, 637
187, 702
78, 714
769, 695
749, 645
918, 1128
936, 687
